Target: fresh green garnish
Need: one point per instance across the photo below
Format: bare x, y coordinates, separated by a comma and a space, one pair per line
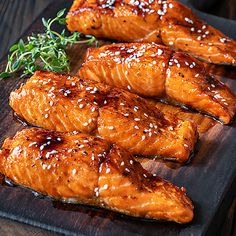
45, 51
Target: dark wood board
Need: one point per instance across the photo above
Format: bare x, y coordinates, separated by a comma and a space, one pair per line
11, 27
209, 179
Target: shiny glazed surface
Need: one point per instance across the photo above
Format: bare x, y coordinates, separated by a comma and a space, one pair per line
85, 169
154, 70
67, 103
168, 22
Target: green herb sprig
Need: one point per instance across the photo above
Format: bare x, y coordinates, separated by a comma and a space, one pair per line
45, 51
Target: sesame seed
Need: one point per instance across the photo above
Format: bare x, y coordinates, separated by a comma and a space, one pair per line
222, 40
122, 163
217, 96
100, 169
73, 171
136, 127
44, 166
108, 170
51, 153
188, 20
159, 52
34, 143
160, 12
186, 63
96, 192
105, 186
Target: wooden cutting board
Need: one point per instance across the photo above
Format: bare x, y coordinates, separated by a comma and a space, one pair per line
210, 177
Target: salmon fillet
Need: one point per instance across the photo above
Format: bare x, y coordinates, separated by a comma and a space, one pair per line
168, 22
79, 168
152, 70
66, 103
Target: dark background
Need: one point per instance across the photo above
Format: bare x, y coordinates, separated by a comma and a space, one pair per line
17, 15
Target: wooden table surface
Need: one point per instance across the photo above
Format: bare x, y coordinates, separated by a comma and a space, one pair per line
16, 16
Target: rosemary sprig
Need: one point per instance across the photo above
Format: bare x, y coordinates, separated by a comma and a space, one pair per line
45, 51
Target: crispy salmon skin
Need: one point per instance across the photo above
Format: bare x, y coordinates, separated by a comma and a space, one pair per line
67, 103
153, 70
167, 22
85, 169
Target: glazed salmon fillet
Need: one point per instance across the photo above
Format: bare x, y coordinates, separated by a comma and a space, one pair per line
66, 103
167, 22
79, 168
152, 70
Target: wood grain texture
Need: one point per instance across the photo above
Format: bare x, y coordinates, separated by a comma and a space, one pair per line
12, 27
225, 9
208, 180
11, 228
